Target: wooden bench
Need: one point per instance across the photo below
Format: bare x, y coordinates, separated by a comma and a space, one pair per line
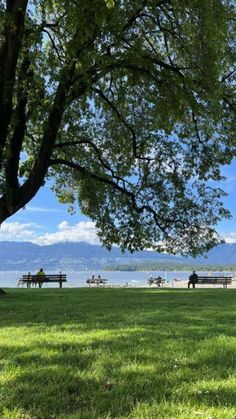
34, 280
156, 281
96, 281
215, 280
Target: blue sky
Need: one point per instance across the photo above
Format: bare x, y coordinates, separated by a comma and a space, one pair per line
45, 221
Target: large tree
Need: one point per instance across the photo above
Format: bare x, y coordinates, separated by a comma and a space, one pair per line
128, 106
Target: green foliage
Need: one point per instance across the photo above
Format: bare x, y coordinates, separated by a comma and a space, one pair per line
117, 353
129, 107
110, 3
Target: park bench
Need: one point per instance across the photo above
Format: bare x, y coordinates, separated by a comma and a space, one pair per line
156, 281
215, 280
34, 280
96, 281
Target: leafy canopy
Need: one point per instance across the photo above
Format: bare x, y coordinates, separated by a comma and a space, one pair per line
128, 105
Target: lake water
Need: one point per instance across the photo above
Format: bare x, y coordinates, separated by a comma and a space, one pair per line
78, 278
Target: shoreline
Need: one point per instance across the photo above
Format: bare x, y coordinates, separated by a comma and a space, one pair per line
180, 284
184, 284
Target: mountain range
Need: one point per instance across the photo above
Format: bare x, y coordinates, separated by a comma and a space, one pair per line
26, 256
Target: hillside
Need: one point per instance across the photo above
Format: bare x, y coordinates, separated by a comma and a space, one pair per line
83, 256
71, 256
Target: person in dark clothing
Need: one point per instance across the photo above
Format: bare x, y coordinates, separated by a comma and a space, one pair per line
193, 279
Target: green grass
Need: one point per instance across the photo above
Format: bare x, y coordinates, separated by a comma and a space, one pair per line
118, 353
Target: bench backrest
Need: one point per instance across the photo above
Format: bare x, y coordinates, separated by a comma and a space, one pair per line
46, 277
215, 279
95, 281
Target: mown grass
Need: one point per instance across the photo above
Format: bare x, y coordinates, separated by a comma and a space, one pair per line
118, 353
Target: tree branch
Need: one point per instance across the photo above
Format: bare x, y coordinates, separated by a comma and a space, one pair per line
120, 117
93, 146
54, 45
132, 19
195, 124
227, 76
107, 181
97, 151
124, 122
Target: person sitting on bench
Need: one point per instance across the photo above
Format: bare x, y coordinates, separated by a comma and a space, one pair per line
41, 274
193, 279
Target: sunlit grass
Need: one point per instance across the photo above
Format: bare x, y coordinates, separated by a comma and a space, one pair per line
118, 353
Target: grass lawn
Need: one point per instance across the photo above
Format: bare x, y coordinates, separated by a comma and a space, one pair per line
118, 353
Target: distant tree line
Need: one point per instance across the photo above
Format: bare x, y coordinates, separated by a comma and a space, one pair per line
152, 266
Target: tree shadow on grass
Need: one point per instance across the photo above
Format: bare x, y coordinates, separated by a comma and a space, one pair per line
105, 359
61, 379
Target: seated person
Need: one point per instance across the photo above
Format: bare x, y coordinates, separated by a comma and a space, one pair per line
158, 281
193, 279
41, 274
150, 281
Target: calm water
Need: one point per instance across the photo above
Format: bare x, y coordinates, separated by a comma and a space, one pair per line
78, 278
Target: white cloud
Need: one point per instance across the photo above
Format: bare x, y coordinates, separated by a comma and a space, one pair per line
65, 232
229, 237
83, 231
42, 209
17, 231
228, 184
230, 179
